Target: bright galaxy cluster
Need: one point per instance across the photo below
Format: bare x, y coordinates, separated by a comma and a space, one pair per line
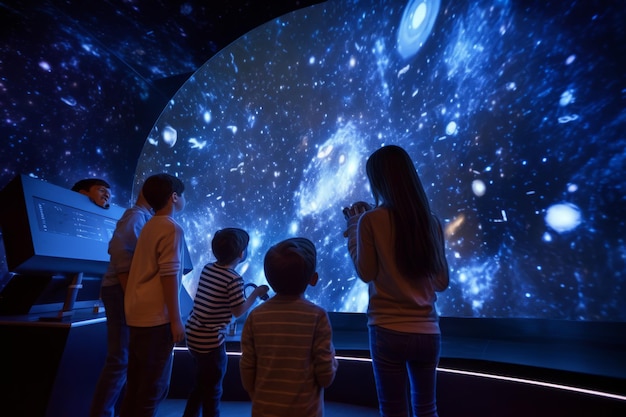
513, 114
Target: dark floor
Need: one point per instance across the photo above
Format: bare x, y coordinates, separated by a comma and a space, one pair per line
174, 408
479, 356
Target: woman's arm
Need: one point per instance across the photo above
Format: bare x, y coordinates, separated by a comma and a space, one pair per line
361, 247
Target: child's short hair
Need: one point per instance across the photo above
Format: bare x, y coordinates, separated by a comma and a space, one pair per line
87, 183
158, 188
227, 244
289, 265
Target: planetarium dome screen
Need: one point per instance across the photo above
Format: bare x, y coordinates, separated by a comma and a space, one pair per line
513, 112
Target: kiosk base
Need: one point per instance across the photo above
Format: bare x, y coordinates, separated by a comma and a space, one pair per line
51, 367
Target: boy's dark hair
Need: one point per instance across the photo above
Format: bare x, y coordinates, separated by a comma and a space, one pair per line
158, 188
289, 265
227, 244
87, 183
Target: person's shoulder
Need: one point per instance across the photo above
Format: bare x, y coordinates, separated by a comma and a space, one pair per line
375, 214
208, 268
177, 226
138, 210
311, 305
136, 213
164, 221
214, 266
160, 225
266, 306
377, 211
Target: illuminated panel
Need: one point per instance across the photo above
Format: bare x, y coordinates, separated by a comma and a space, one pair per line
512, 112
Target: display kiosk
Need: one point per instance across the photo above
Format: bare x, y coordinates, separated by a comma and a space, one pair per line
52, 257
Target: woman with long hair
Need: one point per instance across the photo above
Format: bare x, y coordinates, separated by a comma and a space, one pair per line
397, 248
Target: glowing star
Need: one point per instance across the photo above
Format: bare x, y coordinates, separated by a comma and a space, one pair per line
452, 128
563, 217
567, 97
417, 22
451, 228
239, 168
195, 144
169, 136
45, 66
70, 101
403, 70
479, 188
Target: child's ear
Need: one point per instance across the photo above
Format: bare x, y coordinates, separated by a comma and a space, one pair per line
314, 278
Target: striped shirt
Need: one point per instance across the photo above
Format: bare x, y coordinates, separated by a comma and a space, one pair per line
288, 357
220, 290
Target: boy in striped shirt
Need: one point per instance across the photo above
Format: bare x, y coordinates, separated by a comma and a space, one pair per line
219, 297
288, 357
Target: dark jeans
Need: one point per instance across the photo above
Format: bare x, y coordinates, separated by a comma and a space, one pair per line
207, 392
149, 370
113, 376
401, 357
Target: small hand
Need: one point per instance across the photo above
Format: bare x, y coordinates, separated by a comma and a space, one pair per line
356, 209
262, 292
178, 331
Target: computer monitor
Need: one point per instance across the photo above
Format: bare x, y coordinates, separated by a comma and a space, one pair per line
49, 229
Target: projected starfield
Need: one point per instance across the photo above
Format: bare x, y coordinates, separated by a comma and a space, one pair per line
512, 111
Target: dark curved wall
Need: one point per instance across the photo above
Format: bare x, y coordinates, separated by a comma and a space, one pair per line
83, 82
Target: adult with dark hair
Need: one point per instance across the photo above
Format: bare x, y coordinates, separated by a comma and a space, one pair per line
98, 191
151, 300
398, 248
219, 297
287, 353
121, 249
